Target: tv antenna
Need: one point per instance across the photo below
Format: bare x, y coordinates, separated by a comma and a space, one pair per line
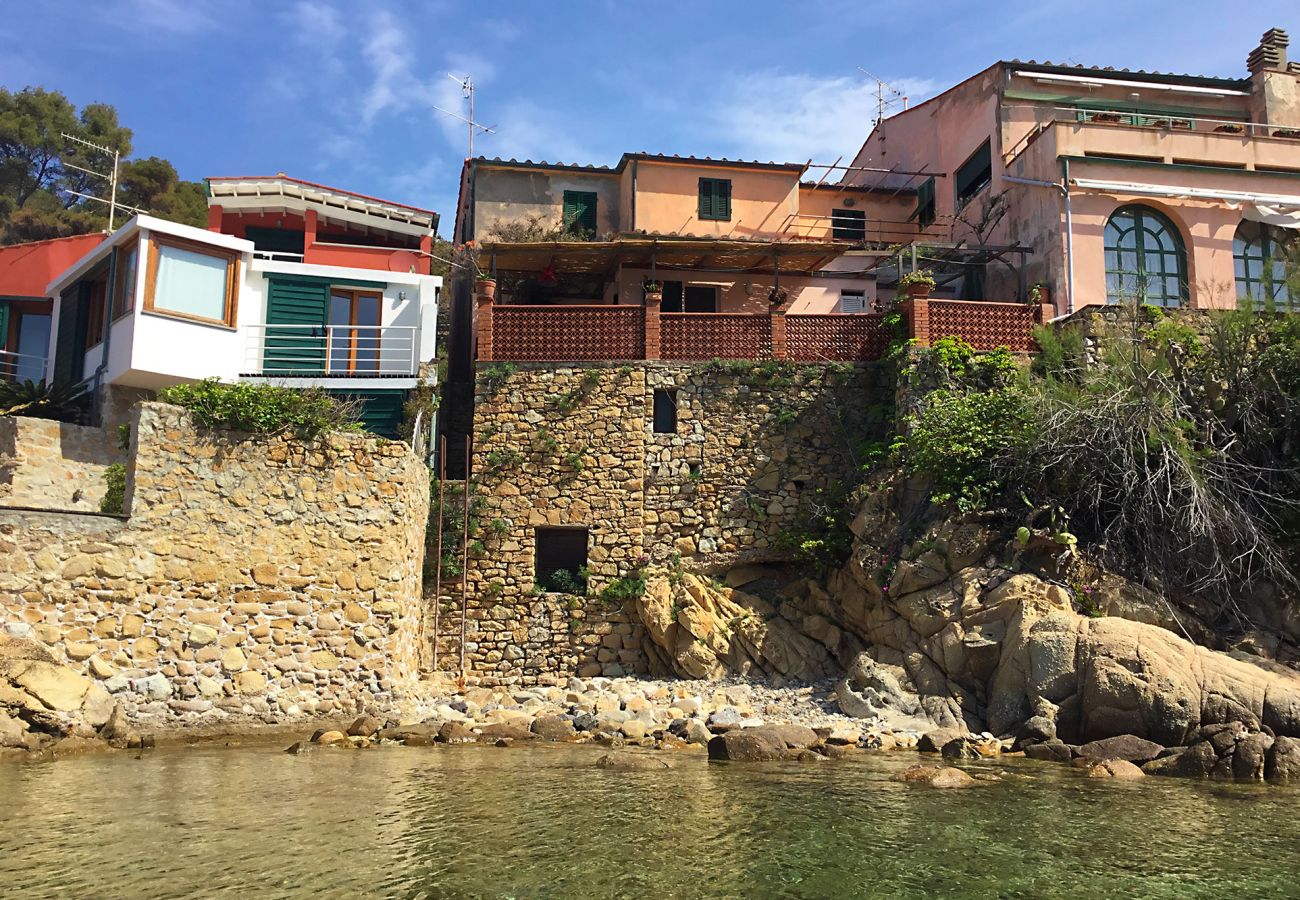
887, 96
110, 177
467, 86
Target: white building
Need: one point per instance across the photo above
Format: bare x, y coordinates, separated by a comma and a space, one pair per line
292, 283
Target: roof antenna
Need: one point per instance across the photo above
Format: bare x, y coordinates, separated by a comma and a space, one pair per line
111, 178
887, 96
467, 85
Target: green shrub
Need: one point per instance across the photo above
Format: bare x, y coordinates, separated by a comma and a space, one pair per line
966, 443
124, 436
564, 581
114, 501
263, 408
41, 400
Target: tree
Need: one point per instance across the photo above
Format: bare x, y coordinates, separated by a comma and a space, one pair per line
43, 189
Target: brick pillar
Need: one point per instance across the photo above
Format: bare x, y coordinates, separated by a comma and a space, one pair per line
917, 311
780, 346
1046, 312
653, 300
484, 292
214, 218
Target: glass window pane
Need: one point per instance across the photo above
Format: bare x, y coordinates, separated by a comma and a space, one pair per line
191, 283
33, 345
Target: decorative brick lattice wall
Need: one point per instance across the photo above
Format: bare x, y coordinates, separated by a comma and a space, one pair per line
985, 326
701, 336
836, 338
568, 333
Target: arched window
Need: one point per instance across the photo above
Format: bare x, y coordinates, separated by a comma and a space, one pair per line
1145, 261
1259, 254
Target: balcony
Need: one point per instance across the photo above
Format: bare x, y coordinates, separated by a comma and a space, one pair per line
21, 367
1161, 138
623, 333
326, 354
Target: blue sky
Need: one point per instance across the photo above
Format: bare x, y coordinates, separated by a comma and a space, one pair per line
342, 92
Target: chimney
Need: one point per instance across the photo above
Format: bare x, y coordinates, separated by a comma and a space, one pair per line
1271, 52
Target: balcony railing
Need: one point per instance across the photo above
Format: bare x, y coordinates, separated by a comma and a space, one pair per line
21, 366
581, 333
331, 351
572, 333
687, 336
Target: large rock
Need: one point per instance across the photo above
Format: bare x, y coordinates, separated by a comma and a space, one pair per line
1127, 747
935, 776
873, 690
554, 728
631, 762
766, 742
1118, 769
1284, 760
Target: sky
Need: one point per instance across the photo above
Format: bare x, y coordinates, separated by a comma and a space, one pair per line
343, 91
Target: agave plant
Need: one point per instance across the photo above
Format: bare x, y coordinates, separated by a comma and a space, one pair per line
40, 399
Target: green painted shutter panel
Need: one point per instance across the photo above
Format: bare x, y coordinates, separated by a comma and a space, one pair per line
68, 356
4, 324
580, 211
925, 212
296, 301
722, 205
715, 198
381, 411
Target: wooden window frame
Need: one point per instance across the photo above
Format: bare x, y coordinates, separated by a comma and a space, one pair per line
232, 258
119, 281
354, 294
96, 313
848, 224
967, 183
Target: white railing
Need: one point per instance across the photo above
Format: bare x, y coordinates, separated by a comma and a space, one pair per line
333, 351
21, 366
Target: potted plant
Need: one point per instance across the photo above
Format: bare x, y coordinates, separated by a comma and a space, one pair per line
918, 284
1229, 128
1040, 294
777, 296
1108, 118
1287, 133
650, 286
485, 286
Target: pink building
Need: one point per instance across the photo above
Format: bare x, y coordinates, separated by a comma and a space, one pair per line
1104, 184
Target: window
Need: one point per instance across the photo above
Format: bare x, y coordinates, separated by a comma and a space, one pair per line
701, 298
33, 347
1259, 254
665, 411
128, 257
715, 199
849, 224
354, 331
580, 212
96, 296
924, 214
672, 297
974, 174
191, 281
853, 301
560, 562
1145, 261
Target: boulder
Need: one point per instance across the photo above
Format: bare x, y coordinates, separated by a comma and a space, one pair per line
1051, 751
331, 738
767, 742
553, 728
513, 731
1127, 747
455, 733
872, 690
1118, 769
935, 776
933, 741
365, 726
1284, 760
632, 762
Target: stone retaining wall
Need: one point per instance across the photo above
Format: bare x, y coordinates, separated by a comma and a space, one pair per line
574, 446
263, 576
54, 465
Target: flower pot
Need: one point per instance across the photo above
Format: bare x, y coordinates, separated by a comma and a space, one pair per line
1229, 129
487, 287
654, 298
918, 291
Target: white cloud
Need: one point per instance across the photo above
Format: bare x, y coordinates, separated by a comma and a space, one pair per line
178, 17
791, 117
316, 24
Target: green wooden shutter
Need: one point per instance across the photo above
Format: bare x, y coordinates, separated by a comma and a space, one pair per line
580, 211
706, 198
69, 358
924, 214
722, 204
381, 411
715, 198
4, 324
295, 301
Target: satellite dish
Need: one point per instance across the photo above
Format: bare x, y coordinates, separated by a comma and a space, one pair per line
402, 261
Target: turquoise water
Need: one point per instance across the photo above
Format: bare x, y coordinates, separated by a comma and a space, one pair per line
543, 822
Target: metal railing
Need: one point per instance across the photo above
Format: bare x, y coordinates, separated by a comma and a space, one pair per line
22, 366
334, 351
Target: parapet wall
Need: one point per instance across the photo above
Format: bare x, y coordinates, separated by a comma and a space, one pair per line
53, 465
254, 575
576, 447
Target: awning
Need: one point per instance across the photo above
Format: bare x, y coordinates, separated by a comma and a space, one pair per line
703, 254
1283, 208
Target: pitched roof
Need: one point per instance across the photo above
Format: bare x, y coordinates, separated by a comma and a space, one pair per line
25, 269
284, 185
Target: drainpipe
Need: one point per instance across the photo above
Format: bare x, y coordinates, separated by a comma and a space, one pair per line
1064, 188
632, 223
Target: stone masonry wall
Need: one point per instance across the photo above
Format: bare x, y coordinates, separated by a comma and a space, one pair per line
258, 576
53, 465
574, 446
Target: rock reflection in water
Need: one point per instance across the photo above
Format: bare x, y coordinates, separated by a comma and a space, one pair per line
545, 822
